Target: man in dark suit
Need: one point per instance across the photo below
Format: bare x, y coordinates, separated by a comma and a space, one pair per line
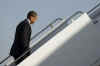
22, 37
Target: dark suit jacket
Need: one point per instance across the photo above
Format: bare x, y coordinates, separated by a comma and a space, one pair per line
22, 39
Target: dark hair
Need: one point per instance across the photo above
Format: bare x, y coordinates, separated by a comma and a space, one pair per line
31, 13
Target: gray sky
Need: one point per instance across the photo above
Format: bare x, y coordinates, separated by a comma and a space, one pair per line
14, 11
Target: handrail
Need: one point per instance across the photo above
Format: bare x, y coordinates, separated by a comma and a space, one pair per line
4, 59
52, 24
33, 38
93, 8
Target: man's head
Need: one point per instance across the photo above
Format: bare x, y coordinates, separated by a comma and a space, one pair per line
32, 16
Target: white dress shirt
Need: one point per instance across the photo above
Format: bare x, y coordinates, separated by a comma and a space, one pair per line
29, 21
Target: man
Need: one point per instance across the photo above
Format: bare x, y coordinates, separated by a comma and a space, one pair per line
22, 37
